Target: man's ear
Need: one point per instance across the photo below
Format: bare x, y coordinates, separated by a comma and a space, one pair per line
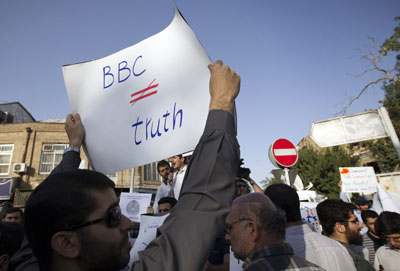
253, 230
66, 243
4, 260
340, 228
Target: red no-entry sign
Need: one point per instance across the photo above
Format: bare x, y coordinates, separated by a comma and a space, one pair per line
283, 153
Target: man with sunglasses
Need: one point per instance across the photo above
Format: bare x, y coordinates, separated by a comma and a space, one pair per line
339, 222
73, 221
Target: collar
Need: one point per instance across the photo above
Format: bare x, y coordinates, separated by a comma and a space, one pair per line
182, 170
266, 251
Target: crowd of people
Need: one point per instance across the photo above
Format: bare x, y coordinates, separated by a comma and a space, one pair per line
73, 221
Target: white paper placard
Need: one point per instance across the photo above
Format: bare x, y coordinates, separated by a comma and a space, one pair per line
309, 216
358, 179
147, 233
144, 103
134, 204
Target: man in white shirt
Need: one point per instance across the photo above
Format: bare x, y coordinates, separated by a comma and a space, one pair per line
166, 189
178, 163
306, 243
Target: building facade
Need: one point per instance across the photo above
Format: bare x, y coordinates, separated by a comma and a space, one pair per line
30, 149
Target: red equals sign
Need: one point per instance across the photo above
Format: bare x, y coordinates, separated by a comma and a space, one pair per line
142, 93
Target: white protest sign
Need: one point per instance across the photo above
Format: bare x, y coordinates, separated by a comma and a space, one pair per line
358, 179
144, 103
134, 204
147, 233
309, 215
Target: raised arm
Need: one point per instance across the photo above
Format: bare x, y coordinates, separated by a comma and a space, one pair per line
189, 232
76, 134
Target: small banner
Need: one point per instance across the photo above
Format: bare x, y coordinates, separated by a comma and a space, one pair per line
358, 179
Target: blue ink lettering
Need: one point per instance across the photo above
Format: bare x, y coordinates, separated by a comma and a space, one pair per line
124, 68
157, 131
179, 111
136, 126
165, 121
147, 125
150, 127
104, 76
133, 68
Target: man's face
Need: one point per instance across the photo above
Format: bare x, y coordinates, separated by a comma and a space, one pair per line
13, 217
394, 240
362, 207
102, 247
353, 230
177, 162
236, 234
371, 224
164, 171
240, 188
164, 208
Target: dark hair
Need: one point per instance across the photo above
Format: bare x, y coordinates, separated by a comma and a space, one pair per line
61, 200
161, 164
360, 201
273, 224
11, 237
331, 211
172, 201
285, 198
14, 210
368, 214
387, 223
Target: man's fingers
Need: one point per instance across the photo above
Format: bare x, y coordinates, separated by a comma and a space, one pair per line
215, 64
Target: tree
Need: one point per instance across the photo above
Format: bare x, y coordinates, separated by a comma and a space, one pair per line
268, 181
322, 168
387, 76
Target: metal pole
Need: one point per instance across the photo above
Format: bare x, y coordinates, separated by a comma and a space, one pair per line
390, 129
132, 180
286, 170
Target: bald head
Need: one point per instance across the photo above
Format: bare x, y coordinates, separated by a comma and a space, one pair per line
261, 209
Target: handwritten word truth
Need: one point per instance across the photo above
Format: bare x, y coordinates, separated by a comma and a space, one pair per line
148, 129
124, 72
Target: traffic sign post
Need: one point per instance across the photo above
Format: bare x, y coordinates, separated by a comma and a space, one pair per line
283, 154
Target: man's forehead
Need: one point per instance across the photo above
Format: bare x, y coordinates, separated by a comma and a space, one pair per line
352, 215
104, 199
233, 214
13, 214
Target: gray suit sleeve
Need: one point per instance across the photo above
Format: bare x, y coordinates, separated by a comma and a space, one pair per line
70, 161
189, 232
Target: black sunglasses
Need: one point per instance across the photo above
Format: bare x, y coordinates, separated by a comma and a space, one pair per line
112, 218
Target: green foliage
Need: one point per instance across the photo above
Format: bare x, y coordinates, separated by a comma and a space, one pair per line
268, 181
322, 168
392, 103
393, 43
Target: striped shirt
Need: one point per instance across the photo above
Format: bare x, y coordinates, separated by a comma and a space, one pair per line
318, 249
277, 257
371, 244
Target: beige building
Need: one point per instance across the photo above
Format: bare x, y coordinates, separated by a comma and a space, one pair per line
30, 149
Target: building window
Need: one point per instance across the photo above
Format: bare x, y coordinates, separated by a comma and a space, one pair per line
113, 177
5, 158
51, 157
150, 173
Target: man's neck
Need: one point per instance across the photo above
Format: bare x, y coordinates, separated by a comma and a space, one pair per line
181, 168
339, 237
370, 233
291, 224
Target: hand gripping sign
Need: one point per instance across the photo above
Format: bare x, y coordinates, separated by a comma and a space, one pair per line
144, 103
